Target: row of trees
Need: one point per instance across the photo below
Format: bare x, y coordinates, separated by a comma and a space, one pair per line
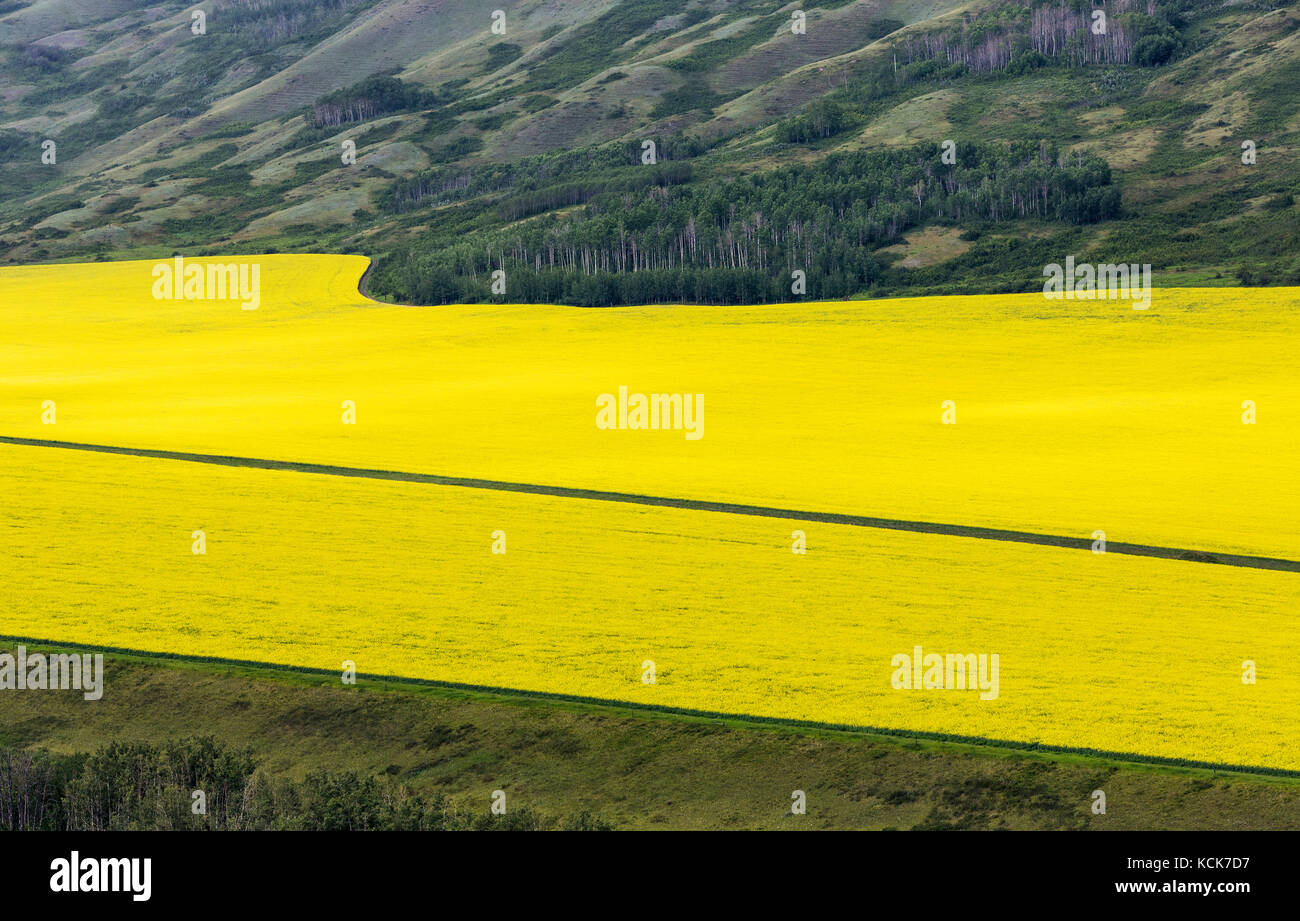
822, 119
567, 194
545, 172
1046, 31
370, 98
653, 286
142, 786
261, 25
740, 240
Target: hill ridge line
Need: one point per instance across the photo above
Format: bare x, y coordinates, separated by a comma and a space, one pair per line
730, 508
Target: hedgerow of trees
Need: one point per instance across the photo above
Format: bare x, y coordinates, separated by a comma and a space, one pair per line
739, 240
129, 786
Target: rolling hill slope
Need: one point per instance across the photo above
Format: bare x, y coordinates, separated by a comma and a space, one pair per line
233, 139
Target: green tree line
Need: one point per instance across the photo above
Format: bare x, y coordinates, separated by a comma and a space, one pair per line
128, 786
740, 240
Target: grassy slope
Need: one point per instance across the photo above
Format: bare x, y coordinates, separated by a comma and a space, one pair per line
636, 769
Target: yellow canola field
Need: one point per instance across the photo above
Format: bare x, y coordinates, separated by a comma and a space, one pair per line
1100, 651
1071, 416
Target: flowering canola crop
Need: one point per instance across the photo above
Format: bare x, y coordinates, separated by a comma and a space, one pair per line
1070, 417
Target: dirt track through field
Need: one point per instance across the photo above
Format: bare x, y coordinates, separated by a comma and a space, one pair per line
700, 505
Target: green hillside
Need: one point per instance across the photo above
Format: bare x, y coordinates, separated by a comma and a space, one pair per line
780, 143
632, 769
